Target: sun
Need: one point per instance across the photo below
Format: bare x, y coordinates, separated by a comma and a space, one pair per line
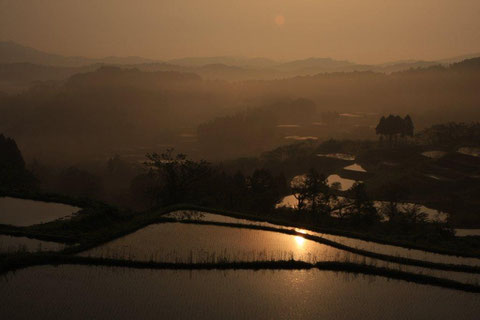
280, 20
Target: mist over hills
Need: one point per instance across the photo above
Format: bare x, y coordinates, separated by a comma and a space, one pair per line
118, 108
231, 61
100, 108
20, 66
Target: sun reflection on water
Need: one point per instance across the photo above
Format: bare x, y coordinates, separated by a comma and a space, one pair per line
300, 241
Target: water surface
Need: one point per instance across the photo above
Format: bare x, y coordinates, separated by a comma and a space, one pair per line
82, 292
345, 184
341, 156
467, 232
177, 242
470, 151
9, 244
355, 167
434, 154
370, 246
23, 212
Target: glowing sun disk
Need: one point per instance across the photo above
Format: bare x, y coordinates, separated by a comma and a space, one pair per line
279, 20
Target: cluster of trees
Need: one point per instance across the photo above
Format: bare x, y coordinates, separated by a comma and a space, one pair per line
451, 135
316, 197
313, 191
355, 206
172, 178
394, 127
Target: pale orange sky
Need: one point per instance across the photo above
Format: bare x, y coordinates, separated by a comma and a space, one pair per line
364, 31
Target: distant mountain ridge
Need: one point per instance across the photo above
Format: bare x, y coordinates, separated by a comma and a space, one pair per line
21, 65
11, 52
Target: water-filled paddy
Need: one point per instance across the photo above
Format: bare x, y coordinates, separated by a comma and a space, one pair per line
470, 151
344, 183
434, 154
399, 251
355, 167
340, 156
333, 179
22, 212
301, 138
370, 246
82, 292
9, 244
351, 242
467, 232
204, 216
177, 242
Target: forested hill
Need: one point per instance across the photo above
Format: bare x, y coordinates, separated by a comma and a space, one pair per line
118, 77
112, 107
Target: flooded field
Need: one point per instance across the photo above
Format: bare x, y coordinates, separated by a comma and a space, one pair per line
343, 183
301, 138
22, 212
370, 246
191, 243
351, 242
467, 232
355, 167
82, 292
333, 180
9, 244
204, 216
434, 154
176, 242
470, 151
341, 156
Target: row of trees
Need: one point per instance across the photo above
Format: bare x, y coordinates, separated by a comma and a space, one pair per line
393, 127
173, 178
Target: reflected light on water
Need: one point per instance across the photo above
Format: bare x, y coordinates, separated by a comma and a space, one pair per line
302, 231
300, 241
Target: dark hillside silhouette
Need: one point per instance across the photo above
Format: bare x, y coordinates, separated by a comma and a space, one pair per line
13, 173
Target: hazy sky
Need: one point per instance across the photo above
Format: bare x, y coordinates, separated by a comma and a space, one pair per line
363, 31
